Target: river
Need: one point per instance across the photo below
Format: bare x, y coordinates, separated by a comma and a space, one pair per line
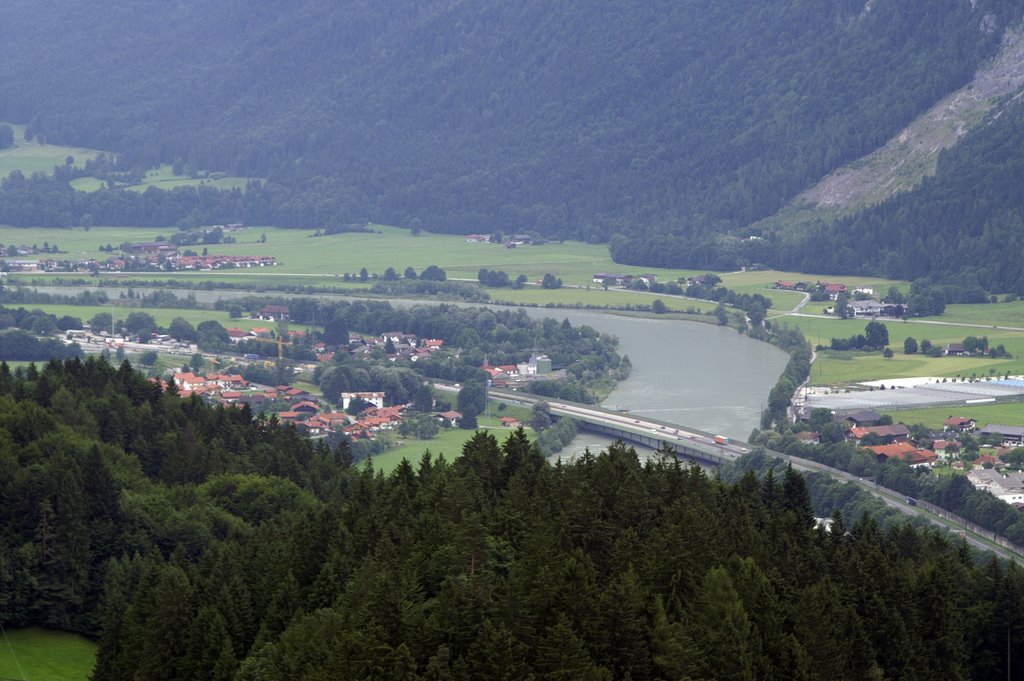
698, 375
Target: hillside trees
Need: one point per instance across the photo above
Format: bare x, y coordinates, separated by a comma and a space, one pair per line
690, 119
280, 560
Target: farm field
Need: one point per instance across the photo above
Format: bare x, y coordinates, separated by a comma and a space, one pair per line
833, 368
299, 252
447, 442
164, 178
162, 315
31, 157
992, 314
36, 653
761, 281
1005, 413
311, 261
836, 368
595, 296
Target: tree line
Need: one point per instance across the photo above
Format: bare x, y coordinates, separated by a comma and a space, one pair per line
197, 542
740, 107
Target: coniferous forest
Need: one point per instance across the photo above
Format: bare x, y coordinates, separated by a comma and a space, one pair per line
198, 543
663, 128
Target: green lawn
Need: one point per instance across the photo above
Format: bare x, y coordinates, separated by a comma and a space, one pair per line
30, 157
310, 261
832, 368
163, 316
447, 442
164, 178
997, 314
42, 654
1009, 413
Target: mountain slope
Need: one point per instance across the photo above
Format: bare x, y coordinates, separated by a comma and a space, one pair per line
911, 155
575, 120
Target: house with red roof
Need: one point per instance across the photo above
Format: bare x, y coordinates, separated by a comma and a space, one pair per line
959, 424
274, 312
450, 418
306, 406
889, 434
188, 380
905, 451
833, 290
945, 449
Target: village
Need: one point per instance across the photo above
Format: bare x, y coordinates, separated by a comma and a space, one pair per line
986, 454
160, 256
358, 415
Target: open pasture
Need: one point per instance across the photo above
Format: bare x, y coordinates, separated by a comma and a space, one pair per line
31, 157
35, 653
164, 178
762, 281
992, 314
1011, 413
448, 442
833, 368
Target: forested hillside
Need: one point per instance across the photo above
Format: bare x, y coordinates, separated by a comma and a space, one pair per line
966, 222
202, 545
569, 118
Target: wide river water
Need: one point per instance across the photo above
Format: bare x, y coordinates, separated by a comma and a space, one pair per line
698, 375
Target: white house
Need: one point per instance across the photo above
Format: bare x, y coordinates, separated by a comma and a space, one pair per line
1009, 488
374, 398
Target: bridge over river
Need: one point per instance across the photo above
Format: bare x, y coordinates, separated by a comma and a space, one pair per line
706, 447
642, 430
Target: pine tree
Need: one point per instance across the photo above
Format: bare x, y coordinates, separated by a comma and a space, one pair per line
722, 629
497, 656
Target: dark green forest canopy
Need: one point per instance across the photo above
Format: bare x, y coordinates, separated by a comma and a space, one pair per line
201, 544
568, 118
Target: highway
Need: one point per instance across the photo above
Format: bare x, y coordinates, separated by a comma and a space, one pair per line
696, 443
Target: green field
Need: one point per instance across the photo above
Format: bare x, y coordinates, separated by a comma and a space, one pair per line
997, 314
31, 157
761, 281
848, 367
1010, 413
307, 260
35, 653
304, 259
164, 178
449, 442
163, 316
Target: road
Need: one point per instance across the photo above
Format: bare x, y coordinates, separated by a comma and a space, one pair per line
693, 439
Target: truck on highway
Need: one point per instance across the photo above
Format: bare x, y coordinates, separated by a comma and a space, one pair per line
721, 440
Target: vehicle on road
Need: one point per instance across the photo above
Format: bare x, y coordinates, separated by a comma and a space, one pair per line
911, 501
721, 440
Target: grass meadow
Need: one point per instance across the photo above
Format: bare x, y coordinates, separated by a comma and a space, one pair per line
448, 442
308, 260
833, 368
163, 316
164, 178
993, 314
31, 157
1004, 412
35, 653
